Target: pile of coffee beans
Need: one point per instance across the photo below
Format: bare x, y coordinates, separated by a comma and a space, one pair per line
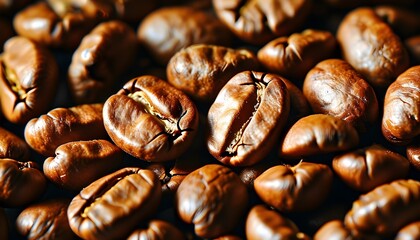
210, 119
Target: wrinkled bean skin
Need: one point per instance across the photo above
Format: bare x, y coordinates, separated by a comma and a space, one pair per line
112, 206
333, 229
202, 70
151, 120
157, 230
28, 79
413, 155
45, 24
302, 187
264, 223
295, 55
401, 117
77, 164
335, 88
409, 232
403, 21
318, 134
45, 220
367, 168
384, 210
4, 225
213, 198
12, 146
247, 117
22, 182
167, 30
63, 125
102, 56
259, 21
371, 47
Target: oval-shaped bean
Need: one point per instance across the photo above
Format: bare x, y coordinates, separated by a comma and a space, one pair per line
45, 220
335, 88
112, 206
385, 209
202, 70
298, 188
77, 164
28, 79
409, 232
62, 125
151, 120
318, 134
295, 55
333, 229
367, 168
413, 155
157, 230
371, 47
265, 223
247, 117
401, 116
213, 198
101, 58
21, 182
12, 146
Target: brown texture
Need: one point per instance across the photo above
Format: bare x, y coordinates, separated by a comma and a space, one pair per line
333, 229
63, 125
413, 155
12, 146
410, 232
112, 206
404, 21
157, 230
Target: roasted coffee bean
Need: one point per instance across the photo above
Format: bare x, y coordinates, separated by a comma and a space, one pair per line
318, 134
103, 55
58, 24
28, 79
371, 47
384, 210
265, 223
247, 117
45, 220
4, 225
63, 125
413, 155
12, 146
333, 87
403, 21
333, 229
298, 188
157, 230
409, 232
299, 105
295, 55
259, 21
250, 173
367, 168
170, 29
401, 118
77, 164
413, 47
112, 206
21, 182
202, 70
151, 120
213, 199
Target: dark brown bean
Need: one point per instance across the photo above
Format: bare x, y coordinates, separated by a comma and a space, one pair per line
259, 21
404, 22
371, 47
318, 134
335, 88
202, 70
157, 230
112, 206
101, 58
213, 198
298, 188
333, 229
295, 55
384, 210
150, 119
367, 168
63, 125
77, 164
247, 118
413, 155
12, 146
45, 220
21, 182
28, 79
401, 117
